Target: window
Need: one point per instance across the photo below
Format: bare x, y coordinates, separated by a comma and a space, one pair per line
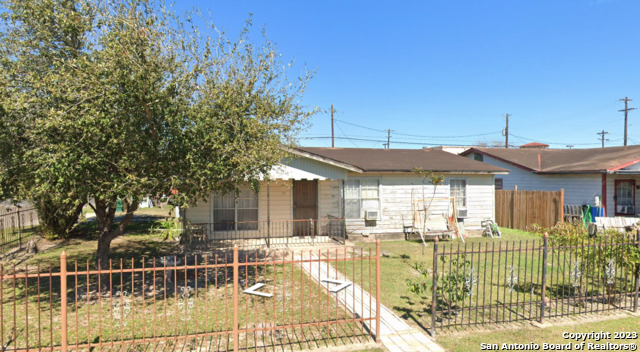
458, 191
499, 183
361, 195
478, 157
236, 213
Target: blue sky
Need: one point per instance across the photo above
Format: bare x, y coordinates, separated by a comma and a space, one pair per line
450, 70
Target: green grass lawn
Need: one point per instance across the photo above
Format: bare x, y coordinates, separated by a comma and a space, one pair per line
510, 289
398, 265
471, 340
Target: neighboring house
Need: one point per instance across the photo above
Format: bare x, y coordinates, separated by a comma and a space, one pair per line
366, 190
610, 174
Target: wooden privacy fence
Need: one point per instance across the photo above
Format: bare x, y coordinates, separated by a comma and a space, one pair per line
520, 209
488, 283
247, 301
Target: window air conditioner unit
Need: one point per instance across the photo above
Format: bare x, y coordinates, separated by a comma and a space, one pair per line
462, 213
371, 215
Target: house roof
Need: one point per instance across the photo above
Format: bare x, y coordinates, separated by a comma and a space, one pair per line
400, 160
558, 161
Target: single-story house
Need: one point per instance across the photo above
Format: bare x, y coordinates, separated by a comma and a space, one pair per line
367, 191
608, 176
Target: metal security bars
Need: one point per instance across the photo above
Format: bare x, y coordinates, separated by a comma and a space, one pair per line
266, 233
234, 301
475, 284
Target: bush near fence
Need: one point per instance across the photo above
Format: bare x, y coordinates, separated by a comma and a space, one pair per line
182, 303
533, 280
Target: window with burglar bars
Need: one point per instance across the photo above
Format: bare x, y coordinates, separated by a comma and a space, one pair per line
236, 213
361, 195
458, 191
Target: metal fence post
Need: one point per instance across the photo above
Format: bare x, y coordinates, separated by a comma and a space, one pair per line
236, 274
545, 251
378, 291
434, 293
63, 302
268, 214
19, 229
635, 299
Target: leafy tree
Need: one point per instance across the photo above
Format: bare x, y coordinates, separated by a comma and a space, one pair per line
134, 100
37, 37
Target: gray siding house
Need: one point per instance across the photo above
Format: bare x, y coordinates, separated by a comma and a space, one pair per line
608, 176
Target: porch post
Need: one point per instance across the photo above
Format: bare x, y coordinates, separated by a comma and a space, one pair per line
268, 214
343, 212
603, 202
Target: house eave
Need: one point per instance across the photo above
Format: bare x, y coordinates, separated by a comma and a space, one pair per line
576, 172
473, 150
324, 160
457, 172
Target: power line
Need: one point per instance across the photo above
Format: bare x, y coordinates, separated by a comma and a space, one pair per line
365, 140
446, 137
356, 125
345, 135
547, 142
417, 135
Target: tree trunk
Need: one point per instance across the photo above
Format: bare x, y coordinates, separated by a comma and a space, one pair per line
102, 256
105, 214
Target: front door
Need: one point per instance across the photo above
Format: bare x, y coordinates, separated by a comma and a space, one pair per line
625, 197
305, 207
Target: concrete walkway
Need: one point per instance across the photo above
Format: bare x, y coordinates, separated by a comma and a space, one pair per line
396, 334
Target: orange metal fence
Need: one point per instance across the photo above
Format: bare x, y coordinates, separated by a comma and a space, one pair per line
239, 300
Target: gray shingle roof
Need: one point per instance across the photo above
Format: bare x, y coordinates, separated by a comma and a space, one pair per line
402, 160
593, 160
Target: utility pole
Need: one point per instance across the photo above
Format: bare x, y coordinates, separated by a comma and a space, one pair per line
388, 138
602, 137
506, 133
626, 116
333, 141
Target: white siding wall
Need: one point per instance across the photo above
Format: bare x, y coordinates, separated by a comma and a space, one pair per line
480, 200
397, 193
578, 189
200, 213
329, 199
316, 167
279, 199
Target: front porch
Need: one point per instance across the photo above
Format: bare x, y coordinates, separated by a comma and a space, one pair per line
293, 207
276, 233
